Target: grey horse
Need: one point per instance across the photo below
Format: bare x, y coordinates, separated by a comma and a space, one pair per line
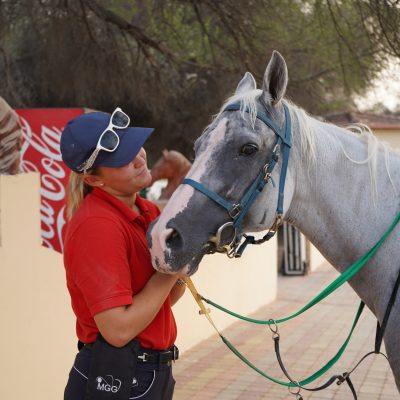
341, 192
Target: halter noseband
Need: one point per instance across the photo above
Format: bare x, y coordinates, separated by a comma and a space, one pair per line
238, 211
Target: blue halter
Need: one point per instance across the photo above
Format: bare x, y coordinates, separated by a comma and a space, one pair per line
238, 211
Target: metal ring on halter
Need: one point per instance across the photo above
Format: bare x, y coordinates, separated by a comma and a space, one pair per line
297, 392
275, 329
277, 223
279, 219
219, 234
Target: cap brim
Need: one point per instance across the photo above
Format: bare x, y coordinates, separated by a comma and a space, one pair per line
132, 140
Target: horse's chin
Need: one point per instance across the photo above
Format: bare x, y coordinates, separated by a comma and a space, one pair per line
192, 267
187, 269
194, 263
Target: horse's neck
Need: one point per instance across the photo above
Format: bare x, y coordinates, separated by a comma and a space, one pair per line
332, 202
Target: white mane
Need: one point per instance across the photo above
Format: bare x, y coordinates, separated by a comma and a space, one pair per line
307, 127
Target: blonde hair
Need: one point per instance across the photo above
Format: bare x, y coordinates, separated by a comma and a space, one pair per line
77, 190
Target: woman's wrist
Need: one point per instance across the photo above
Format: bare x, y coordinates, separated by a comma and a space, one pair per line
180, 282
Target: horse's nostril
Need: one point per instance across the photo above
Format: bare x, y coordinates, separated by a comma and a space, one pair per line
174, 240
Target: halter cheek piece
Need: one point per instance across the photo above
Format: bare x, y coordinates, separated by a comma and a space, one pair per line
238, 211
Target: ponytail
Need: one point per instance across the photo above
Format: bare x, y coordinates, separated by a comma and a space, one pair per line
77, 190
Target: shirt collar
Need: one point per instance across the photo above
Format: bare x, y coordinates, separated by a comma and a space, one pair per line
128, 212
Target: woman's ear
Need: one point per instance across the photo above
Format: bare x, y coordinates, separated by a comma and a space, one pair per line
93, 180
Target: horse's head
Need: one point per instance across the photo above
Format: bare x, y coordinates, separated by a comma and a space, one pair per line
171, 164
236, 149
162, 168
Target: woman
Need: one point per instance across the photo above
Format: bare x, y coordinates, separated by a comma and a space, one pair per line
124, 322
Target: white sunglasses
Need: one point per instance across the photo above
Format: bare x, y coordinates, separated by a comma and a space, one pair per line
108, 140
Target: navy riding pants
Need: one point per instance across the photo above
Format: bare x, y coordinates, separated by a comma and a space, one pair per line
151, 382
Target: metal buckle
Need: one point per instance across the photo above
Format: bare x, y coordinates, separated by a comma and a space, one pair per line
276, 152
267, 174
342, 378
143, 357
275, 157
234, 211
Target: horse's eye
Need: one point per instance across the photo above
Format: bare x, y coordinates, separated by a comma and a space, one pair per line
248, 149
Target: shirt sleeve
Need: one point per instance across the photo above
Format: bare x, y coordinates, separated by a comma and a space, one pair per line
99, 264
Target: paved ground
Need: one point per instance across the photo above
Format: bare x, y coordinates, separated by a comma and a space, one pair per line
211, 371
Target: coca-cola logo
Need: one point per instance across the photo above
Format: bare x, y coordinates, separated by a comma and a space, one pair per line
41, 153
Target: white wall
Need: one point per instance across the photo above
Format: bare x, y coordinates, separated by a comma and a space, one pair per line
37, 339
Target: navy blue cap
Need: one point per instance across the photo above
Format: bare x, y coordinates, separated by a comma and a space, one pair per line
81, 134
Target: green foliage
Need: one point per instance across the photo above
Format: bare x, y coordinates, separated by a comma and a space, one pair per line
170, 63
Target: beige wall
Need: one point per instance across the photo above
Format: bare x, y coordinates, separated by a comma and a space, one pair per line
37, 338
241, 285
391, 136
316, 258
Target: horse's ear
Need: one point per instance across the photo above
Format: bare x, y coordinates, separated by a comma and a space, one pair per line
275, 78
246, 84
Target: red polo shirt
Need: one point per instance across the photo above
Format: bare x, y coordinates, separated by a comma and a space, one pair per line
107, 263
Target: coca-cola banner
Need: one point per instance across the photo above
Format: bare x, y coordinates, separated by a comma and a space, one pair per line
41, 152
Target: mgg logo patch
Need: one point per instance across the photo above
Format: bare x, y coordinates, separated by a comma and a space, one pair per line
108, 384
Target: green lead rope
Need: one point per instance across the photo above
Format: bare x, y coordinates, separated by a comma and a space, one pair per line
339, 281
344, 277
311, 378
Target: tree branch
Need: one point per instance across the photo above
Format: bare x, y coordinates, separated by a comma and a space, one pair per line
137, 33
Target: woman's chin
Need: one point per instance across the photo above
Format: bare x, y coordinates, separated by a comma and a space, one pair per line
147, 179
142, 182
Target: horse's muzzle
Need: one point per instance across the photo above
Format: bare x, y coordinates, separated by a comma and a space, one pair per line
174, 241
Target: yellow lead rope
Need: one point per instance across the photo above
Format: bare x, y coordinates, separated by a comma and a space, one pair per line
203, 310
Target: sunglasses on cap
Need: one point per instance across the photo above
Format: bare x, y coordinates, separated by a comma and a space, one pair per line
108, 140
